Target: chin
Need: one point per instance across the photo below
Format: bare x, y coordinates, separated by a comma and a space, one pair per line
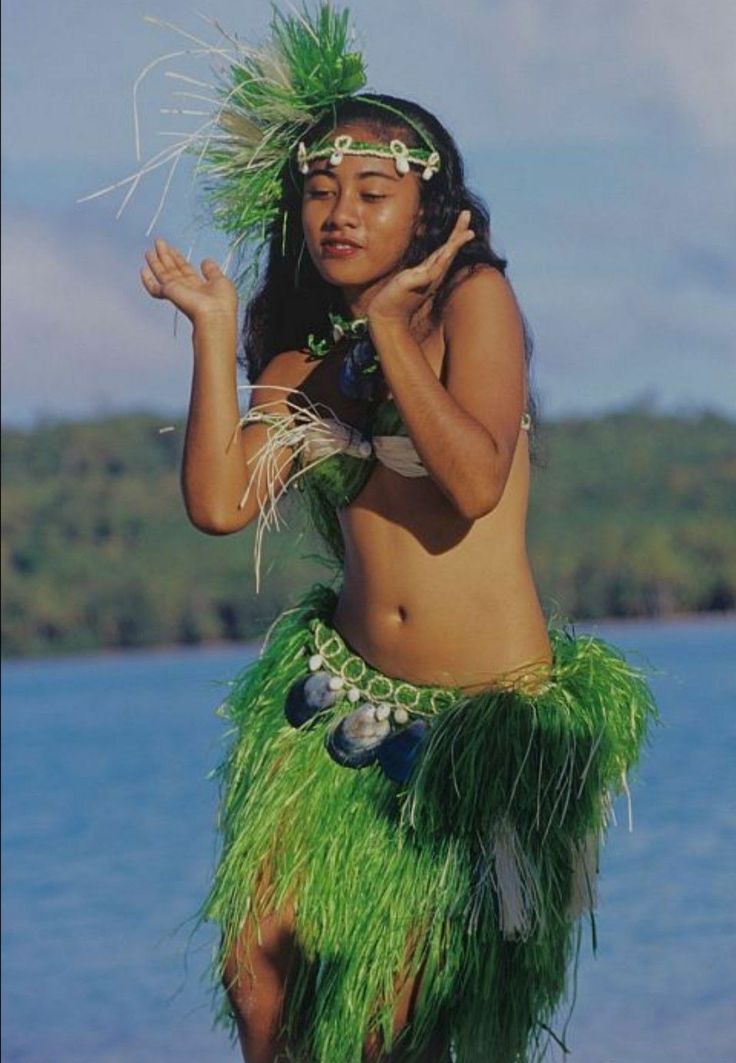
346, 272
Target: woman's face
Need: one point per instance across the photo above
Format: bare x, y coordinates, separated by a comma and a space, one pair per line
365, 202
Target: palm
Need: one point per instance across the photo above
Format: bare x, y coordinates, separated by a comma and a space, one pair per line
192, 292
170, 276
407, 290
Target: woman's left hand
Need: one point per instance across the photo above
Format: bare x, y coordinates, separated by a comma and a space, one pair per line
405, 293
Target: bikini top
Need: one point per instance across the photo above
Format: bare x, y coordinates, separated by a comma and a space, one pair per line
332, 461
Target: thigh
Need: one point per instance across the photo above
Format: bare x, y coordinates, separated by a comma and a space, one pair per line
255, 976
267, 947
407, 991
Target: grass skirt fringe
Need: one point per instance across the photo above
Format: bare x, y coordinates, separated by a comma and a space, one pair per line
477, 869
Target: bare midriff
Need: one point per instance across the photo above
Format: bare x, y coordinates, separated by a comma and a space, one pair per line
432, 597
428, 595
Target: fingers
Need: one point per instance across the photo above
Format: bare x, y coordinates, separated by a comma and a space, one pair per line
160, 263
152, 286
461, 234
165, 255
165, 263
436, 264
462, 222
165, 259
183, 263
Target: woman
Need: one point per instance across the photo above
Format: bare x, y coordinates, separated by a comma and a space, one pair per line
404, 865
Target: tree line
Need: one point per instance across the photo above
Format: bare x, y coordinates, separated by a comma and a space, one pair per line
632, 513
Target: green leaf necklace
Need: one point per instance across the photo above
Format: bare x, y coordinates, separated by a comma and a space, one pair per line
360, 375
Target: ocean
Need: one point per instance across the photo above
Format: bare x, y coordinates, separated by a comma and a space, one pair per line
109, 842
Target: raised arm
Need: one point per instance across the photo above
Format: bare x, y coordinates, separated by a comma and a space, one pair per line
219, 455
224, 484
465, 432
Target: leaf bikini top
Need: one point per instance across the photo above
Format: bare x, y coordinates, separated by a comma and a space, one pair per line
332, 461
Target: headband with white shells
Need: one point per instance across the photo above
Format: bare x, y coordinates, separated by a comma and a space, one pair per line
344, 144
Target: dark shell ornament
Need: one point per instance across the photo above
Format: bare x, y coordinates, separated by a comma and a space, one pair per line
354, 742
397, 755
308, 697
373, 732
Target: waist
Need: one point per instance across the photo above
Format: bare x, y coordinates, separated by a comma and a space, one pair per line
445, 638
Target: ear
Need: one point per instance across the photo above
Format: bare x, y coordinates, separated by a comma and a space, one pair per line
420, 227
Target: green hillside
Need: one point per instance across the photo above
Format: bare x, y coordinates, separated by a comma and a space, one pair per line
631, 514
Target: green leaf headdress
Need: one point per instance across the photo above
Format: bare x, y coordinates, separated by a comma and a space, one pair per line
264, 104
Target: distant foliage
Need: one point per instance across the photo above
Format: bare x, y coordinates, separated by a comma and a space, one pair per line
631, 514
97, 549
635, 515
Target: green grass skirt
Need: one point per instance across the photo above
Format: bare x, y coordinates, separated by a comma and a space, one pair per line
478, 871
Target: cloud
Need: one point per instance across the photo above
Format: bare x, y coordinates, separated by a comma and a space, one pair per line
80, 334
692, 48
601, 132
625, 266
507, 70
589, 69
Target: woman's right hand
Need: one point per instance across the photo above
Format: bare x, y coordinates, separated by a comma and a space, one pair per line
168, 275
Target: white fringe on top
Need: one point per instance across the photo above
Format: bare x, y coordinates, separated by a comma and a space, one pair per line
267, 465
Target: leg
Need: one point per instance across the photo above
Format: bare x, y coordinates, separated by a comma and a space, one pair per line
438, 1048
258, 990
258, 998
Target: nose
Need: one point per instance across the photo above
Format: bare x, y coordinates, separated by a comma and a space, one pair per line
344, 213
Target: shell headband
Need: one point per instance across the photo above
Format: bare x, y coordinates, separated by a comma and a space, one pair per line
262, 107
396, 150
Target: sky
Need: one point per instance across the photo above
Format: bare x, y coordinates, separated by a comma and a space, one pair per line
601, 136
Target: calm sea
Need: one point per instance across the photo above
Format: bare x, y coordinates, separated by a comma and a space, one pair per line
109, 843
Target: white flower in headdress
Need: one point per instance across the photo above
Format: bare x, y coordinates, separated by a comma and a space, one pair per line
400, 152
433, 165
301, 157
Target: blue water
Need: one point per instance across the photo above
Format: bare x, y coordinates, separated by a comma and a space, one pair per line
109, 840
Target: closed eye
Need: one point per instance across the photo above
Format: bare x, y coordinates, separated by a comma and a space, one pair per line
322, 193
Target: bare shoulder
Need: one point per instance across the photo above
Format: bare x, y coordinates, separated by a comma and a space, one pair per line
288, 368
485, 350
482, 307
479, 284
284, 373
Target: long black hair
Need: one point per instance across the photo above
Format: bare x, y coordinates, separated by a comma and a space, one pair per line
293, 299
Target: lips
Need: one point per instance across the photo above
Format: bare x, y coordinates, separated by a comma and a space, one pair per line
331, 241
337, 247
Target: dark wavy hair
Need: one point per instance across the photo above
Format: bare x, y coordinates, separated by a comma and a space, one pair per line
293, 299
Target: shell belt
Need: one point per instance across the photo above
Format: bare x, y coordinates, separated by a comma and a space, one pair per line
361, 682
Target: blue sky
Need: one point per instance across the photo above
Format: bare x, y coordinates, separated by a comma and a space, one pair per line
601, 136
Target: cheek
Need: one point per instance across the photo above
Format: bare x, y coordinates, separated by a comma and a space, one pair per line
391, 226
394, 213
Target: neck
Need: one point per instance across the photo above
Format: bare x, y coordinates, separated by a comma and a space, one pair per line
359, 297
